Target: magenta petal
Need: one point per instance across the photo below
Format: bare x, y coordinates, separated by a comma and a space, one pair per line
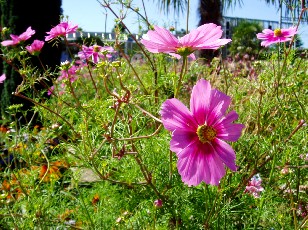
200, 100
217, 98
188, 165
219, 104
202, 164
175, 115
181, 139
216, 167
225, 153
230, 132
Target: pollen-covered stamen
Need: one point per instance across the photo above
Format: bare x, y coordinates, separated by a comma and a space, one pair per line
184, 51
206, 133
277, 32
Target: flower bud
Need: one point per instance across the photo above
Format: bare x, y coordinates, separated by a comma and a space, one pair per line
158, 203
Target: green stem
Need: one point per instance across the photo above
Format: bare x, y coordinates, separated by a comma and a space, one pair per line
84, 205
183, 71
279, 72
45, 107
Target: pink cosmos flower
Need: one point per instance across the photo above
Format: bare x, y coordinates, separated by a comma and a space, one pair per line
61, 29
199, 134
207, 36
35, 47
17, 39
2, 78
96, 52
276, 36
254, 186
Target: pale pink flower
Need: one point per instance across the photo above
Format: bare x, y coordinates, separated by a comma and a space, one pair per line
96, 52
2, 78
199, 134
17, 39
61, 29
276, 36
161, 40
254, 186
35, 47
70, 73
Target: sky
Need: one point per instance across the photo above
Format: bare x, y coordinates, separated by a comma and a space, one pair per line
92, 17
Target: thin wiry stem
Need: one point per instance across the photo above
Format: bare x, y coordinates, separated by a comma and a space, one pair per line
141, 137
183, 71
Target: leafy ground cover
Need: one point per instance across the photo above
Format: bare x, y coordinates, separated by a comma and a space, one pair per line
98, 155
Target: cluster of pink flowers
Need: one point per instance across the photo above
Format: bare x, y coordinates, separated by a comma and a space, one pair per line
18, 39
68, 73
254, 186
161, 40
199, 134
61, 29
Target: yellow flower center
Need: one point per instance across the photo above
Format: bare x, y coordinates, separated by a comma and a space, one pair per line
277, 32
184, 51
206, 133
96, 48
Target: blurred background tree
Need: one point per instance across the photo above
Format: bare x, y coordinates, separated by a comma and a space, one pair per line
244, 40
17, 16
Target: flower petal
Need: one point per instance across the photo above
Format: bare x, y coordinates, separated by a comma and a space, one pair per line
181, 139
225, 153
159, 40
216, 168
198, 163
200, 100
228, 131
219, 104
175, 115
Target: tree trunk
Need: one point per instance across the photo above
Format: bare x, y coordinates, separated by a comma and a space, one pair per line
210, 12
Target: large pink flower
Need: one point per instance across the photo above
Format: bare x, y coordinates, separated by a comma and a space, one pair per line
276, 36
207, 36
61, 29
199, 134
35, 47
17, 39
96, 52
